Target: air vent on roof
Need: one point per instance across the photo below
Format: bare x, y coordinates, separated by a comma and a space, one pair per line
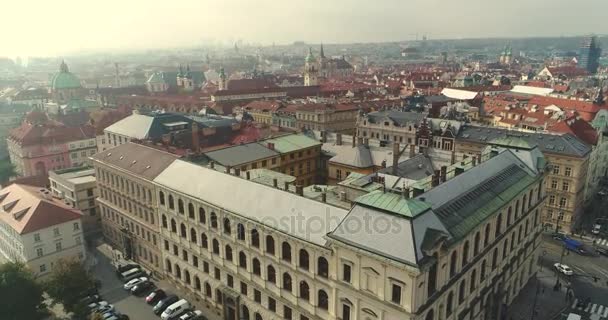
560, 148
3, 196
550, 147
134, 162
148, 167
9, 205
109, 154
121, 157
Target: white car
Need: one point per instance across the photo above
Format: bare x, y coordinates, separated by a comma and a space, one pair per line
190, 315
562, 268
96, 305
134, 282
104, 309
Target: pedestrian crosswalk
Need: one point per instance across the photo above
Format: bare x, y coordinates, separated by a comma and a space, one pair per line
602, 242
592, 308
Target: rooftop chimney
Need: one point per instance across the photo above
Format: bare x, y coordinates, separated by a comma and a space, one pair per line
211, 164
248, 175
324, 197
406, 193
444, 171
237, 172
338, 139
417, 191
275, 182
227, 169
271, 145
299, 189
395, 157
435, 179
286, 186
195, 138
458, 171
323, 136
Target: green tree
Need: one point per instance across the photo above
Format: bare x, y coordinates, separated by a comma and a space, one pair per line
7, 171
21, 294
96, 316
68, 282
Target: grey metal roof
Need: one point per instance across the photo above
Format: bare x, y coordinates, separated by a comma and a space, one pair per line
416, 168
358, 157
400, 118
237, 155
566, 144
280, 210
136, 159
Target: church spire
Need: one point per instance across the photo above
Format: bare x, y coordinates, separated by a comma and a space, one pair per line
322, 54
63, 67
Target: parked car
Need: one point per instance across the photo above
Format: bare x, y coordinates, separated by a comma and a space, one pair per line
129, 273
142, 287
596, 228
134, 282
175, 309
562, 268
90, 299
119, 317
95, 305
193, 315
126, 267
104, 309
164, 303
155, 296
559, 236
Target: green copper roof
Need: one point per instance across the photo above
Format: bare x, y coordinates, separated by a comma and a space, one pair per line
65, 80
393, 203
310, 57
510, 141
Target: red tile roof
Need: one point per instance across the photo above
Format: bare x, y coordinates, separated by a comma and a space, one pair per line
263, 105
49, 133
28, 209
568, 71
586, 109
578, 127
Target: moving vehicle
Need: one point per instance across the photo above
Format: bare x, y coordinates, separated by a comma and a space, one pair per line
134, 282
164, 303
193, 315
562, 268
129, 272
155, 296
142, 287
574, 245
175, 309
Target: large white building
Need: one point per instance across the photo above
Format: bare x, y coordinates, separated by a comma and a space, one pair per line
37, 229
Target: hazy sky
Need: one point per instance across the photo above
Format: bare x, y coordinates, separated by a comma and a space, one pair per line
54, 27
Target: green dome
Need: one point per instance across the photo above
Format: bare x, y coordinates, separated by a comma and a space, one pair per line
65, 79
310, 57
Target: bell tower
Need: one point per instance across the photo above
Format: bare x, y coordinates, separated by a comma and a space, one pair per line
311, 71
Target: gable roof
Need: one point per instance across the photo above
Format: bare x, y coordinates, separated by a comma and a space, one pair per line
136, 159
28, 209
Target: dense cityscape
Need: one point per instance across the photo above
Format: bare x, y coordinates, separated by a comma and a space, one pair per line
424, 179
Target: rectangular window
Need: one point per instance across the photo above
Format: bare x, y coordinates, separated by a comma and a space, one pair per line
78, 240
272, 304
568, 172
257, 296
217, 275
565, 186
39, 252
37, 237
553, 184
396, 294
166, 245
345, 312
42, 268
287, 313
243, 288
56, 232
562, 202
195, 261
58, 246
230, 281
555, 169
552, 199
346, 273
205, 267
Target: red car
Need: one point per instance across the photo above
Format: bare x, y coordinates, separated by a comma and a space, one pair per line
155, 296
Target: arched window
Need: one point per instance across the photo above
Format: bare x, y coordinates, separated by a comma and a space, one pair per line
476, 244
473, 279
465, 253
204, 243
430, 315
258, 316
180, 206
270, 245
304, 291
182, 230
218, 296
228, 253
227, 228
482, 274
178, 271
516, 208
304, 259
197, 283
161, 198
164, 221
201, 216
449, 304
271, 274
244, 312
322, 267
287, 282
286, 252
505, 248
168, 266
323, 300
257, 270
207, 290
486, 237
498, 224
171, 203
173, 225
453, 261
193, 235
523, 204
255, 238
242, 260
190, 211
527, 226
240, 232
462, 291
509, 216
216, 247
213, 220
187, 276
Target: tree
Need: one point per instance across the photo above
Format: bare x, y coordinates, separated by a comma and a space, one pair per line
68, 283
7, 171
21, 294
96, 316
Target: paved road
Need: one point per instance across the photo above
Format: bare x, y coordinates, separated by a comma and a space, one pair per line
583, 285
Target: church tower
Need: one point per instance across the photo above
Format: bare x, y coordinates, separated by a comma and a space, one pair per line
311, 71
187, 82
221, 84
180, 77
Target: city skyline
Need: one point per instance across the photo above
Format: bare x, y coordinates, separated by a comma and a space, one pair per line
68, 27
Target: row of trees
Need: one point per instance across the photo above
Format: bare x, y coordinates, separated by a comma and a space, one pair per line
23, 296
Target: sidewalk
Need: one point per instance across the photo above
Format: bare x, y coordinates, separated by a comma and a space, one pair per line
549, 303
197, 302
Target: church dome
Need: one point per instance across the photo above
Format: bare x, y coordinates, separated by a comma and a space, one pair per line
65, 79
310, 57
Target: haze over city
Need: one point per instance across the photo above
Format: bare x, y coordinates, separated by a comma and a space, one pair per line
43, 28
